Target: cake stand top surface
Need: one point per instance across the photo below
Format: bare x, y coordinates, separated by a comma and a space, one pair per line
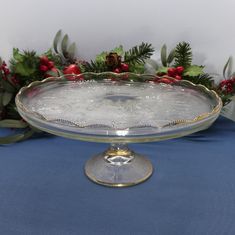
117, 111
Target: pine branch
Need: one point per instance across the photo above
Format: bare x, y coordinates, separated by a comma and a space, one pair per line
183, 55
138, 54
95, 66
203, 79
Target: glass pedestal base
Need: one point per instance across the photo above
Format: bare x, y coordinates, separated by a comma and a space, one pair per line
118, 166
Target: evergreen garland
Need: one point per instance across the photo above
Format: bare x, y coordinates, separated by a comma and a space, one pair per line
28, 66
183, 55
138, 54
135, 56
203, 79
94, 66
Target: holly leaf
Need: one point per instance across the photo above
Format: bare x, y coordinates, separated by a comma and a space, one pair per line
7, 86
101, 57
52, 73
119, 50
24, 70
17, 55
162, 70
6, 98
193, 71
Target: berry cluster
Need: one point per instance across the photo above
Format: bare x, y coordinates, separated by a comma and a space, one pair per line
122, 68
7, 74
227, 86
5, 70
172, 72
176, 72
47, 66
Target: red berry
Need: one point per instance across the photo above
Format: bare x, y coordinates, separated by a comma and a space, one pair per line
117, 70
223, 83
179, 70
178, 77
43, 68
44, 60
72, 69
50, 64
165, 80
124, 67
6, 71
171, 72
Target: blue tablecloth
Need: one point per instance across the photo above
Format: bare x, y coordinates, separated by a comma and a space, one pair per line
43, 189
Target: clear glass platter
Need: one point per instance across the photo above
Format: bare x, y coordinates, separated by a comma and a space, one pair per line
107, 108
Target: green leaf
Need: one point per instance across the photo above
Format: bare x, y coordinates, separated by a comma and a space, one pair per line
10, 123
64, 45
56, 40
7, 86
24, 70
17, 55
193, 71
59, 73
52, 73
171, 56
6, 98
1, 99
119, 50
137, 68
228, 66
152, 63
71, 50
162, 70
101, 57
164, 55
15, 138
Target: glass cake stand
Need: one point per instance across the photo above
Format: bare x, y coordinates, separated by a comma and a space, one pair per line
107, 108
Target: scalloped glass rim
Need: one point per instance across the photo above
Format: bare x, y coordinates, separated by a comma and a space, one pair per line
175, 129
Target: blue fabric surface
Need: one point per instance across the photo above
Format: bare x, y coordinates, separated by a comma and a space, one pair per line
43, 189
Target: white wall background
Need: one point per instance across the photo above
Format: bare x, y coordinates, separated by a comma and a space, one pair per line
97, 25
